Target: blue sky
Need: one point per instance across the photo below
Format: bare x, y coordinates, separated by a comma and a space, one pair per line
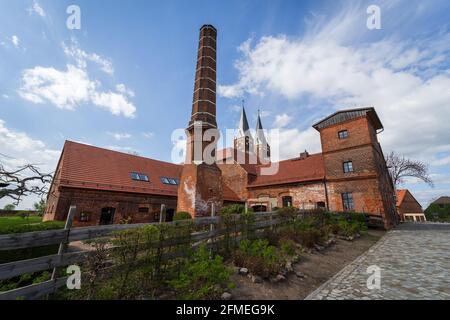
124, 81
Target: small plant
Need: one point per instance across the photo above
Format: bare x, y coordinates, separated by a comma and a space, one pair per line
233, 209
201, 277
288, 247
182, 216
259, 257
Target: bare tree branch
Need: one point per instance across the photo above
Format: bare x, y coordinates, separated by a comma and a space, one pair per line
401, 168
23, 181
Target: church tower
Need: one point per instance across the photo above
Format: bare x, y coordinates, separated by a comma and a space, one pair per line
201, 180
243, 142
262, 147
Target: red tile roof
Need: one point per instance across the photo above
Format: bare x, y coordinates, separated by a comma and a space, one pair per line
292, 171
401, 193
89, 167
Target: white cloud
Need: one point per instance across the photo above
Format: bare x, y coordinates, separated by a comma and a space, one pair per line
404, 80
123, 149
120, 136
282, 120
82, 57
116, 103
70, 88
18, 148
441, 162
123, 89
64, 89
148, 134
37, 9
293, 141
15, 41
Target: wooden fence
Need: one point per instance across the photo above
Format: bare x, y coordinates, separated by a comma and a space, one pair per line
67, 235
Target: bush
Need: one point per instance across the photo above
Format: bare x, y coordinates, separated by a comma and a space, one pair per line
182, 216
309, 237
288, 247
233, 209
201, 277
351, 228
287, 212
22, 228
259, 257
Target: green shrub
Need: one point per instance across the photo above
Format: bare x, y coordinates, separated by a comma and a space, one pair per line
351, 228
233, 209
309, 237
259, 257
288, 247
287, 212
201, 277
182, 216
22, 228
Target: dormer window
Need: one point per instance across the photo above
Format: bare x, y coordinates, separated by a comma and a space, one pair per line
139, 177
169, 181
343, 134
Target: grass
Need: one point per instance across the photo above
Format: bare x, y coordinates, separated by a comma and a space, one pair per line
17, 224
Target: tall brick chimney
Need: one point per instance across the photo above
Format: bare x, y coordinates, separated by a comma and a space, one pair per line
201, 179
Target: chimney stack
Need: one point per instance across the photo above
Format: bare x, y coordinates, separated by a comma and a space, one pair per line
200, 189
204, 101
304, 155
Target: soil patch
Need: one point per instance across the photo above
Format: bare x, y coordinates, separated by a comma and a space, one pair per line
317, 267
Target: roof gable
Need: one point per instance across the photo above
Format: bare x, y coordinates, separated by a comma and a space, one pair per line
350, 114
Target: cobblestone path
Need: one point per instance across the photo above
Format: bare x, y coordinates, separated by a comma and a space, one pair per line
415, 264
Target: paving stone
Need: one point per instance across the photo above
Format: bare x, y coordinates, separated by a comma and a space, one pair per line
414, 263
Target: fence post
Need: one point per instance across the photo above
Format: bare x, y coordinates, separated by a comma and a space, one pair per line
271, 216
246, 207
162, 214
63, 244
212, 225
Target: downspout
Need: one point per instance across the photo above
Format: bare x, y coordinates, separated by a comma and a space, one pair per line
326, 195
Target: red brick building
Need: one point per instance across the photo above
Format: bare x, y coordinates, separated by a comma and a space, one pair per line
349, 175
408, 208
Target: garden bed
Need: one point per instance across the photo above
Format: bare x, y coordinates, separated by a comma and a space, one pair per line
316, 267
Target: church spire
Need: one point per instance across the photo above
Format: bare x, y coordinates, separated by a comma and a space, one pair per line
262, 148
260, 137
243, 123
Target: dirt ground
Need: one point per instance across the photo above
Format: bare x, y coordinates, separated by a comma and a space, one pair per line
318, 268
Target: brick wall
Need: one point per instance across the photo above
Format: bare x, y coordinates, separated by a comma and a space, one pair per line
304, 196
91, 202
369, 183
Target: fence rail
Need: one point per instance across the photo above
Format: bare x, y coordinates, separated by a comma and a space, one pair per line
68, 235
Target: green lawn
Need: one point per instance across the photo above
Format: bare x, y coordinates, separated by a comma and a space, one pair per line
17, 224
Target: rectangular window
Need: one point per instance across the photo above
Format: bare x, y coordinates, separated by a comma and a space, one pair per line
343, 134
348, 166
139, 177
143, 210
347, 201
287, 201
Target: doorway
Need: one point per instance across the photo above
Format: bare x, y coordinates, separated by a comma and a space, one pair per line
169, 215
107, 216
259, 208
